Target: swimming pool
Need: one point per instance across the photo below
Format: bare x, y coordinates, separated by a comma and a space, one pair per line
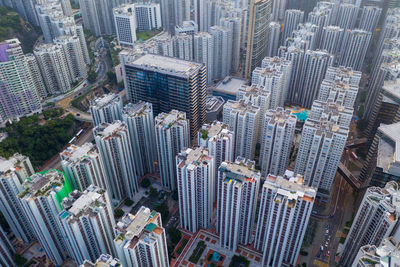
301, 113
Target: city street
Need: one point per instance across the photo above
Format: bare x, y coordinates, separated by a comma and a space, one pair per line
329, 223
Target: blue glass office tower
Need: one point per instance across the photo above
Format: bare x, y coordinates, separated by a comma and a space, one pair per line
169, 83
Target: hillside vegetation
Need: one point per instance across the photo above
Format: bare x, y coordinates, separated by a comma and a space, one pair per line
13, 26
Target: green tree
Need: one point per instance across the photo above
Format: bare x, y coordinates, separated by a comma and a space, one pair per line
111, 77
92, 75
163, 209
145, 183
153, 192
128, 202
175, 235
119, 213
19, 260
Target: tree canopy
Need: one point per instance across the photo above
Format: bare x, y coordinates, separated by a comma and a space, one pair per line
38, 142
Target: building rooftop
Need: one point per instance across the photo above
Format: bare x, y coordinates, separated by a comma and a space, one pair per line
12, 163
193, 157
168, 119
75, 153
109, 129
389, 148
105, 100
80, 203
291, 186
392, 89
241, 106
124, 9
46, 182
103, 261
132, 226
280, 116
134, 110
168, 65
240, 171
230, 85
214, 103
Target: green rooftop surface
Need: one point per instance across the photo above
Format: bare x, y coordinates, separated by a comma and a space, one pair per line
65, 190
150, 227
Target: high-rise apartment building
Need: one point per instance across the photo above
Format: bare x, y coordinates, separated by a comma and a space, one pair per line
91, 19
7, 250
387, 104
172, 135
346, 16
322, 15
118, 159
237, 200
220, 142
169, 83
140, 120
333, 111
37, 78
19, 94
340, 85
83, 166
243, 119
148, 16
53, 64
331, 39
278, 9
257, 34
203, 52
195, 182
274, 33
72, 49
107, 108
41, 202
285, 209
188, 26
87, 222
305, 37
63, 25
354, 48
273, 81
382, 162
125, 24
321, 146
293, 17
387, 251
277, 140
183, 46
235, 26
174, 12
98, 15
370, 16
295, 55
222, 39
375, 220
281, 64
314, 67
45, 12
13, 172
386, 68
141, 239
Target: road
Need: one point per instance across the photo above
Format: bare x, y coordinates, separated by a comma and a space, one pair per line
329, 222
